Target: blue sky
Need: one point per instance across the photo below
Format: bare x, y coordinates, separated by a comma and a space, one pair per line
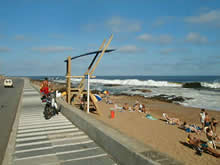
152, 37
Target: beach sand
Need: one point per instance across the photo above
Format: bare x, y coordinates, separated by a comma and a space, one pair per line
157, 133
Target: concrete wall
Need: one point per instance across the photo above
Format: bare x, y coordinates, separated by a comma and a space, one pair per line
124, 150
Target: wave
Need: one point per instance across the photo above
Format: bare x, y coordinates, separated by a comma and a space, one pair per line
214, 85
134, 82
151, 83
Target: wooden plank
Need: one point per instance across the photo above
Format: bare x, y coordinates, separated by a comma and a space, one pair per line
100, 57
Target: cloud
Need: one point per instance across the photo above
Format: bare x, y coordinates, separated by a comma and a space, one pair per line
146, 37
118, 24
196, 38
4, 49
130, 49
52, 49
210, 17
162, 39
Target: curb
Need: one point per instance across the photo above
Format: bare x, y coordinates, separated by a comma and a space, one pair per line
123, 149
12, 138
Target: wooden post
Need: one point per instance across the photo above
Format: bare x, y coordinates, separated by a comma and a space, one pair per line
68, 79
88, 96
100, 57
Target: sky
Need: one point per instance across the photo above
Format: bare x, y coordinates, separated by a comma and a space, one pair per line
151, 37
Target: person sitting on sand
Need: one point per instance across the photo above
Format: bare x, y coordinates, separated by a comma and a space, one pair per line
143, 109
139, 107
170, 120
199, 146
211, 136
136, 106
125, 107
190, 128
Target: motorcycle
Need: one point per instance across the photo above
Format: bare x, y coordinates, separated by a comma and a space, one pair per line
51, 109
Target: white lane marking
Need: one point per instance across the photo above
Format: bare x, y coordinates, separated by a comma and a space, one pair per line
37, 125
52, 140
41, 117
46, 128
37, 121
58, 153
42, 123
55, 146
44, 137
47, 132
31, 138
84, 158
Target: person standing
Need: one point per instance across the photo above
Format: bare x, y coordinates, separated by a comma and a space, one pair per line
202, 117
44, 88
207, 120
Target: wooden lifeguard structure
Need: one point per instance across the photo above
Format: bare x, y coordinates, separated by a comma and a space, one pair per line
74, 94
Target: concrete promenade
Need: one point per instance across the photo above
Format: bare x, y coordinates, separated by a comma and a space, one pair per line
55, 141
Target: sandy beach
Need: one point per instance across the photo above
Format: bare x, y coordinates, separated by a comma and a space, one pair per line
157, 133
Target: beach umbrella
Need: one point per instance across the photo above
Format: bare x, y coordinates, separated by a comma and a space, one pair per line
98, 97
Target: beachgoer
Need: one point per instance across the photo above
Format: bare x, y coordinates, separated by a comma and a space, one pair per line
136, 106
143, 109
214, 123
199, 146
190, 128
207, 120
125, 107
202, 117
211, 136
171, 120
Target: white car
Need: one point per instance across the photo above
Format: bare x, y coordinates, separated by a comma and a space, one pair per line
8, 83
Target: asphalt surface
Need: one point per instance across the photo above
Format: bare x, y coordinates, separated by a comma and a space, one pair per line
9, 99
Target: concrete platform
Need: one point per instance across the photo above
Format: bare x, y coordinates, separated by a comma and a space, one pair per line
55, 141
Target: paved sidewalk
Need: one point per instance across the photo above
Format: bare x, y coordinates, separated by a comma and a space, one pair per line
54, 141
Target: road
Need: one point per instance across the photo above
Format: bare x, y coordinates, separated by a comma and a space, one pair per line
9, 99
56, 141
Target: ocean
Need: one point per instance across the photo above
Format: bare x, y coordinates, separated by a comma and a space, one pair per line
207, 96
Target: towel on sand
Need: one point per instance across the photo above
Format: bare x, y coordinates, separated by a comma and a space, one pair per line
148, 116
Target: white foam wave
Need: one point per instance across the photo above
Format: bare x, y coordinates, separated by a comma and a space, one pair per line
134, 82
214, 85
